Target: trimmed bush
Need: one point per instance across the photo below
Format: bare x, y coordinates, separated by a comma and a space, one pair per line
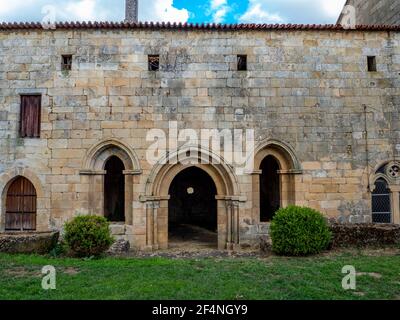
299, 231
88, 236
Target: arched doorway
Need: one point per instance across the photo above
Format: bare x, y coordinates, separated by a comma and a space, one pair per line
381, 204
192, 209
270, 194
114, 190
21, 205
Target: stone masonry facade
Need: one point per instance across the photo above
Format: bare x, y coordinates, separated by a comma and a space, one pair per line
307, 93
378, 12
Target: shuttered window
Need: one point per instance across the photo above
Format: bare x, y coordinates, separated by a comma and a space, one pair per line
30, 116
21, 206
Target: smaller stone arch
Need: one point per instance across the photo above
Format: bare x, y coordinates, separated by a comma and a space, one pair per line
282, 151
42, 196
289, 166
94, 167
97, 155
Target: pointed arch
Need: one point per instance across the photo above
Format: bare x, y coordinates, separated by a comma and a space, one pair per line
97, 156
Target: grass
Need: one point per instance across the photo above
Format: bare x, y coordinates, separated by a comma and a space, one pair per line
207, 278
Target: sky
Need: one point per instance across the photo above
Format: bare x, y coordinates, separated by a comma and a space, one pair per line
194, 11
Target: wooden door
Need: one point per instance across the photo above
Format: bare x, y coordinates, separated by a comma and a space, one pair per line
21, 206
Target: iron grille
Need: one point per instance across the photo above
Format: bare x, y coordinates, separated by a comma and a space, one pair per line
381, 207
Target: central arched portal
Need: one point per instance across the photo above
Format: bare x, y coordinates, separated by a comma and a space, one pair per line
192, 209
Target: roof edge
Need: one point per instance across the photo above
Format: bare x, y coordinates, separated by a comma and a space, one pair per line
188, 26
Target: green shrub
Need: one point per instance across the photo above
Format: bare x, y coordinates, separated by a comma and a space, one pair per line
88, 236
59, 250
299, 231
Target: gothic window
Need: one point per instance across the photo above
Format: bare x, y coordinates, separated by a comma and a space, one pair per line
381, 204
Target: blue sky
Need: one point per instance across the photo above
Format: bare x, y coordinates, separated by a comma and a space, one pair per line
219, 11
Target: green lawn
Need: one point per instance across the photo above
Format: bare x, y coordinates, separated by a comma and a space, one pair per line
207, 278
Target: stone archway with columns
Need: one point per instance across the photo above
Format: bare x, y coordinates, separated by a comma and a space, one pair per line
289, 167
228, 197
94, 167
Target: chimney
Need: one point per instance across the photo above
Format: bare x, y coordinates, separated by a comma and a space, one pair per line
131, 10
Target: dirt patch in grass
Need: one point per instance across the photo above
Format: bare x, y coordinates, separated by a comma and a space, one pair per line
70, 270
21, 272
370, 274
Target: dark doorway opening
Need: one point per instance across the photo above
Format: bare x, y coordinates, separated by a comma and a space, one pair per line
192, 209
270, 198
114, 190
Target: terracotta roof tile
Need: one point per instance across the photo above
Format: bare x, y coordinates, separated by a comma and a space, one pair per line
190, 26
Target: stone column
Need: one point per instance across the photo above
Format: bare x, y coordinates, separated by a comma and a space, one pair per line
232, 224
395, 203
151, 224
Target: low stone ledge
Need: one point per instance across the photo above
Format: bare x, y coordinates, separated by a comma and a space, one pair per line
364, 234
32, 242
119, 247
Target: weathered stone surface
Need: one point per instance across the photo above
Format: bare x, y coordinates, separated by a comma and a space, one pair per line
304, 90
364, 234
119, 246
37, 242
382, 12
265, 244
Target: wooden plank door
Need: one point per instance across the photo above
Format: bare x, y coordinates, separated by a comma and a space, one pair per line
21, 206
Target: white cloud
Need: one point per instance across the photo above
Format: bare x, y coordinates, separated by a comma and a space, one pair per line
86, 10
256, 14
161, 10
218, 9
215, 4
292, 11
94, 10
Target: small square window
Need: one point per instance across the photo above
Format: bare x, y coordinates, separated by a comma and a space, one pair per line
154, 62
242, 62
371, 64
66, 64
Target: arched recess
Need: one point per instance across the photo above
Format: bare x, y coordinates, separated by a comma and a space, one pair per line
42, 197
286, 167
94, 165
381, 202
157, 195
384, 184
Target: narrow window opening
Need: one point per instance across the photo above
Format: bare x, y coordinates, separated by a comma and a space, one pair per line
371, 64
66, 64
154, 62
242, 62
30, 116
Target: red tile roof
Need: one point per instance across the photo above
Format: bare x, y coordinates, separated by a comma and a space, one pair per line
191, 26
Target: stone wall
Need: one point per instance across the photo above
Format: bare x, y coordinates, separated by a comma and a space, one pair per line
380, 12
304, 94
